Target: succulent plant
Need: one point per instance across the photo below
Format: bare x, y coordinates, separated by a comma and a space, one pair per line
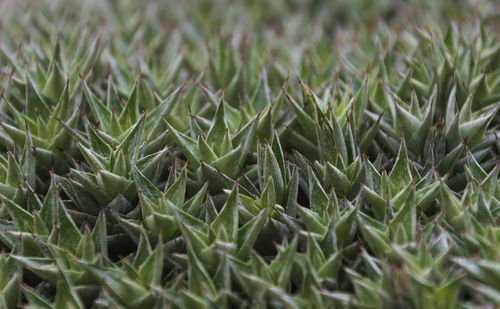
253, 154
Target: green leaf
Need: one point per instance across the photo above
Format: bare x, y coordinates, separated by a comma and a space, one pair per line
144, 186
400, 175
151, 271
228, 216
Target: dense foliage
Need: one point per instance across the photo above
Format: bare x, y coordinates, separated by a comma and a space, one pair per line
249, 154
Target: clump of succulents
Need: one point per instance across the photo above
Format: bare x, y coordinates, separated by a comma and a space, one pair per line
252, 154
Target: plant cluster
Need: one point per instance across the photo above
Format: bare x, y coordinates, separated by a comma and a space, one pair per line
257, 154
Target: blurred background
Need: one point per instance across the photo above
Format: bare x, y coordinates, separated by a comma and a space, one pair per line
305, 38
